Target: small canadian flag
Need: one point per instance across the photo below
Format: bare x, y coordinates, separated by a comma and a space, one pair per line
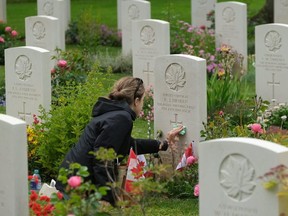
183, 162
135, 171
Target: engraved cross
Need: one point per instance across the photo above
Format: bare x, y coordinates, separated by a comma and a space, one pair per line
175, 121
24, 114
148, 72
273, 83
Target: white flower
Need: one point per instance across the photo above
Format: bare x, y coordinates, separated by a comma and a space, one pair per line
267, 114
260, 119
284, 117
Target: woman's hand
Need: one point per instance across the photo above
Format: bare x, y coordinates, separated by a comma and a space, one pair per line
172, 136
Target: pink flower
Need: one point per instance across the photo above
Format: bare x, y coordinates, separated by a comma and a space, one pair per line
221, 113
256, 128
203, 27
53, 70
8, 29
196, 190
62, 63
191, 160
74, 181
14, 33
2, 40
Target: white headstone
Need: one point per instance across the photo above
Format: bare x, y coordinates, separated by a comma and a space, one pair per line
27, 81
200, 9
231, 27
55, 8
180, 98
13, 167
132, 10
150, 38
271, 62
3, 17
119, 16
281, 11
228, 175
45, 32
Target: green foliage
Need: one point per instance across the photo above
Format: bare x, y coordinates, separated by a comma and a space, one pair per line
61, 127
8, 38
84, 199
224, 91
182, 183
277, 116
72, 33
72, 66
246, 111
89, 33
118, 63
193, 40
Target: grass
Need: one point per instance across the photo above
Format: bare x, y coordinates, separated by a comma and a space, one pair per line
106, 11
158, 206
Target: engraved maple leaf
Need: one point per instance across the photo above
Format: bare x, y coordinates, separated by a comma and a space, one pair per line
228, 14
273, 41
237, 178
175, 77
23, 67
148, 35
39, 30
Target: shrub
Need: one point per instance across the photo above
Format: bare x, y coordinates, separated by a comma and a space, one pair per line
33, 145
87, 32
223, 90
182, 183
277, 116
63, 124
8, 38
70, 66
196, 39
84, 196
118, 64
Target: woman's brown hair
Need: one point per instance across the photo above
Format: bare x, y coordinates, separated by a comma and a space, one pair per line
128, 89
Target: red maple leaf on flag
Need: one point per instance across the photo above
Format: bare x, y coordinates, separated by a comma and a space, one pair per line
138, 170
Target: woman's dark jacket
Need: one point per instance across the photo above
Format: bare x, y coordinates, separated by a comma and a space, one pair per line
110, 127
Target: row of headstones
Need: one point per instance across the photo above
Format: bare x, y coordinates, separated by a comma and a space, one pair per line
200, 9
29, 85
56, 8
149, 38
228, 174
230, 21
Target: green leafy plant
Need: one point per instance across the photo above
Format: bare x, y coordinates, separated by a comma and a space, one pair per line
83, 196
8, 38
118, 63
71, 66
246, 111
276, 180
224, 90
192, 40
277, 116
61, 127
182, 184
88, 32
